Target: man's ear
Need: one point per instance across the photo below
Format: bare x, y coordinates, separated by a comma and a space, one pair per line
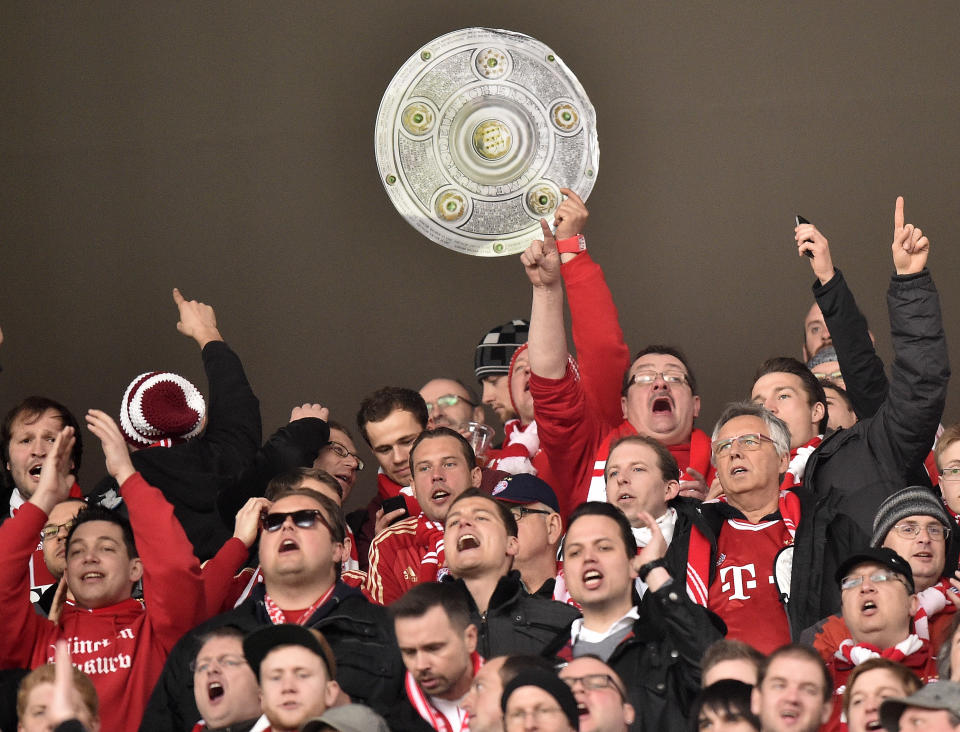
513, 546
476, 477
629, 714
755, 701
914, 605
671, 490
341, 550
623, 406
554, 528
817, 411
331, 693
696, 406
470, 637
136, 569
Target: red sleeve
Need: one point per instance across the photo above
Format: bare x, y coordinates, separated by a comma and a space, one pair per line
218, 574
384, 583
602, 354
172, 583
18, 539
570, 434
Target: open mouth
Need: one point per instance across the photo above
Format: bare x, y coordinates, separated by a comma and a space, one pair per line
874, 724
439, 494
35, 471
288, 545
92, 576
215, 690
592, 578
868, 606
624, 497
467, 541
738, 470
582, 709
661, 405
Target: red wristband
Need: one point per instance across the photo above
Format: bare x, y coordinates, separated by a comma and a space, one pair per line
572, 245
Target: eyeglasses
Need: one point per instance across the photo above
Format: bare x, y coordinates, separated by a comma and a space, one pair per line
518, 717
937, 532
830, 376
51, 530
223, 662
749, 441
304, 519
341, 451
520, 511
649, 376
593, 682
855, 580
950, 475
446, 401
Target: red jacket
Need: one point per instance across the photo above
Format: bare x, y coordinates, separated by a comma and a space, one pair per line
579, 413
397, 558
121, 647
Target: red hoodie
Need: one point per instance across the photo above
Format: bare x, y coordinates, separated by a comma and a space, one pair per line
122, 647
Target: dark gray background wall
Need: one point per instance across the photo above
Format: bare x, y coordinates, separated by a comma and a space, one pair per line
227, 148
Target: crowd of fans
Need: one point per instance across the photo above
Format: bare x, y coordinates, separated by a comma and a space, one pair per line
602, 566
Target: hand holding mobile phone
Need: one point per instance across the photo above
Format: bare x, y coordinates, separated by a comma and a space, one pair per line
800, 220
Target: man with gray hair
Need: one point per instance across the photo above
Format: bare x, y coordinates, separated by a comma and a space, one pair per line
761, 558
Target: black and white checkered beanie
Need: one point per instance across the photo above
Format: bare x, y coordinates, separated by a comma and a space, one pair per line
497, 347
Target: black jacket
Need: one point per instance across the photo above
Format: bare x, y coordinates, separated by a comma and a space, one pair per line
191, 474
884, 453
825, 537
659, 661
517, 623
360, 633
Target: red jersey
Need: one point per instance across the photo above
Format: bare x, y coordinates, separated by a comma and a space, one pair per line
744, 591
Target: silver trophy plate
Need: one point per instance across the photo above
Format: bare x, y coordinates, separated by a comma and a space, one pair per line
476, 135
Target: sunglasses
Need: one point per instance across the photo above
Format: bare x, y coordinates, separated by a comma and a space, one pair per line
303, 519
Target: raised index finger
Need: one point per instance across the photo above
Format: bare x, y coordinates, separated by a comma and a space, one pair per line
177, 297
898, 213
548, 241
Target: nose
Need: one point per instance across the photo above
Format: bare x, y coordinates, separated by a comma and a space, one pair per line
399, 454
488, 393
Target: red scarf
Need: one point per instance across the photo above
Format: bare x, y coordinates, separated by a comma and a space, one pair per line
698, 554
430, 535
425, 709
856, 653
278, 618
930, 602
798, 463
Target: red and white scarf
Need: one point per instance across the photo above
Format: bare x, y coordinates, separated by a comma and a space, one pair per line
276, 614
798, 463
857, 653
425, 709
430, 535
931, 601
698, 554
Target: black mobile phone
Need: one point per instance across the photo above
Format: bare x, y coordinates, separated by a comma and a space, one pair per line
800, 220
392, 504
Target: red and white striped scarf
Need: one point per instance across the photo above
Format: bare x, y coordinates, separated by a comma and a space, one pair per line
930, 602
698, 554
276, 614
798, 463
430, 535
425, 709
857, 653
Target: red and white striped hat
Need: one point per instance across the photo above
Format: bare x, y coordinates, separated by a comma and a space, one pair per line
161, 408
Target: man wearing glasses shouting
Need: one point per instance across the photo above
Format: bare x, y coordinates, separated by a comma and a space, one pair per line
878, 601
301, 549
914, 524
759, 557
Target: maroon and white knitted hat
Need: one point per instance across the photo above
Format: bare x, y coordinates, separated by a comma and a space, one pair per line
160, 406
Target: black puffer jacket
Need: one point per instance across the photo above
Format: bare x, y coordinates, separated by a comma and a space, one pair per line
369, 667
